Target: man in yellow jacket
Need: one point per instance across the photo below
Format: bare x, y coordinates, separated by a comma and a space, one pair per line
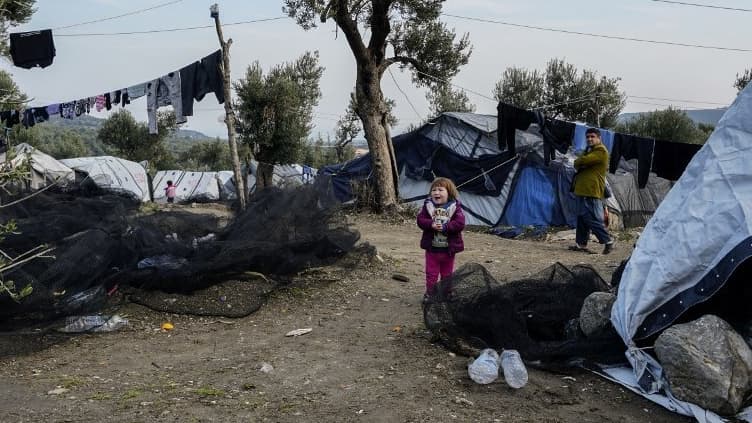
590, 187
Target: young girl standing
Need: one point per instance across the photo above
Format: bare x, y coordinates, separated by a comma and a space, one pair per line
170, 192
442, 221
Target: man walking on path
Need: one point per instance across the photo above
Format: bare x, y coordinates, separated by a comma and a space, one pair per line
590, 187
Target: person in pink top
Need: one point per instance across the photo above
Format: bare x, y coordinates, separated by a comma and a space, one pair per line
170, 191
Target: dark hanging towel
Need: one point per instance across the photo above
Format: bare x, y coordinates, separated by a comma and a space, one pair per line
671, 158
30, 49
557, 135
188, 78
209, 78
511, 118
633, 147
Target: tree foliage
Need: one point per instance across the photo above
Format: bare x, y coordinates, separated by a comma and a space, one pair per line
349, 126
319, 153
742, 80
131, 140
11, 96
445, 99
276, 109
671, 124
564, 92
421, 44
209, 156
12, 13
60, 143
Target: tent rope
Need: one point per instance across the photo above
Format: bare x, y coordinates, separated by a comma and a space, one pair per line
484, 172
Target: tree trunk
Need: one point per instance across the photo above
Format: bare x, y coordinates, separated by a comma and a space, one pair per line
372, 112
264, 175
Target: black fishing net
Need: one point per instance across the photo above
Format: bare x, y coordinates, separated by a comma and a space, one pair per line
471, 310
98, 244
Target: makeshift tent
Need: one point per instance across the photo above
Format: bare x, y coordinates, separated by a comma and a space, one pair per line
45, 169
112, 174
496, 187
191, 186
693, 250
284, 176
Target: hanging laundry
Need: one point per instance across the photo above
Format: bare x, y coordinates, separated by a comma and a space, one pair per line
164, 91
13, 118
124, 97
136, 91
633, 147
671, 158
68, 110
557, 135
27, 118
40, 114
53, 109
107, 101
511, 118
188, 78
115, 97
209, 78
30, 49
99, 103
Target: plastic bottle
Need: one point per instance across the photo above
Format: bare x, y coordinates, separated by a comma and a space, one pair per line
515, 372
485, 368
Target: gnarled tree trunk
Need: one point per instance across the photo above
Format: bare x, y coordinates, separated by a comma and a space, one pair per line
373, 113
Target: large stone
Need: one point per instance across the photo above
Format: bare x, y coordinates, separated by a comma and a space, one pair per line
706, 363
595, 315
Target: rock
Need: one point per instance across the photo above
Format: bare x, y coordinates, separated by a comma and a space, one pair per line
707, 363
595, 315
400, 277
266, 368
57, 391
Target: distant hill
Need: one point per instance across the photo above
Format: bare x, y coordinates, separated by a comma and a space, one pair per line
706, 116
85, 123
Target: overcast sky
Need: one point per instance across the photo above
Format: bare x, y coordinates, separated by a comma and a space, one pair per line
92, 64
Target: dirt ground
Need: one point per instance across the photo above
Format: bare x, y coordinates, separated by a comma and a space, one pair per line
367, 358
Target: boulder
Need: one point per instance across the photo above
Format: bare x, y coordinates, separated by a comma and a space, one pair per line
595, 315
707, 363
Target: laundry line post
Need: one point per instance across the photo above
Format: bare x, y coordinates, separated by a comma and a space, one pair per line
229, 114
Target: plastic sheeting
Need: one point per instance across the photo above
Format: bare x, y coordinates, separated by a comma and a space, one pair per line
114, 174
45, 169
695, 240
190, 186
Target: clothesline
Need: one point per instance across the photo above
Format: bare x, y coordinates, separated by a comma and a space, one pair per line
667, 159
178, 88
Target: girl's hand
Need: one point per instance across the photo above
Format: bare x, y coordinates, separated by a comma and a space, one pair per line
437, 226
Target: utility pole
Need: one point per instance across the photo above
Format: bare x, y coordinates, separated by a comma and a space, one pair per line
597, 108
229, 114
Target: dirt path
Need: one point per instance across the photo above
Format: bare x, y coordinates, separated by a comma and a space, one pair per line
367, 357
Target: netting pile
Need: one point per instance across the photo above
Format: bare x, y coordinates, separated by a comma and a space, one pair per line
103, 242
471, 311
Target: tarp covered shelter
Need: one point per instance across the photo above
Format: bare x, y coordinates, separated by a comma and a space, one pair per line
113, 174
283, 175
191, 186
693, 251
45, 169
496, 187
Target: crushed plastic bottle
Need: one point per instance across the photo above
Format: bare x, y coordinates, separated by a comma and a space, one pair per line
515, 373
485, 368
95, 323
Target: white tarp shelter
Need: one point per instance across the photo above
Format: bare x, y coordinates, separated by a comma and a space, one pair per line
191, 186
113, 174
699, 235
45, 169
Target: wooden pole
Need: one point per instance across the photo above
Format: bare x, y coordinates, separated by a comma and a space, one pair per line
229, 114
